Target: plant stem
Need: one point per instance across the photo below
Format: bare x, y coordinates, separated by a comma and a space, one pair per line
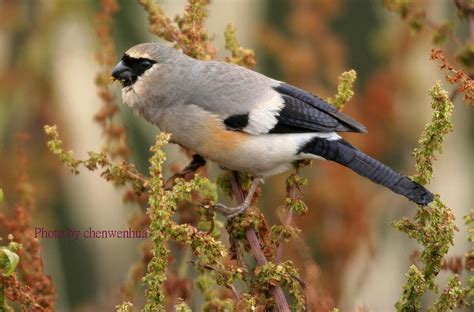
254, 243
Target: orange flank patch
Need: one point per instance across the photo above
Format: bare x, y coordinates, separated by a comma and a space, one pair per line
222, 142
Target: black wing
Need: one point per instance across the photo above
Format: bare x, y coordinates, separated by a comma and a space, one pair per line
304, 111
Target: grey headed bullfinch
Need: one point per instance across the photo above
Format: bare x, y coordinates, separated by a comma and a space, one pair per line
243, 120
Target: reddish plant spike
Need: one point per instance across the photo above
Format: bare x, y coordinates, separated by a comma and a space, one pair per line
454, 76
116, 143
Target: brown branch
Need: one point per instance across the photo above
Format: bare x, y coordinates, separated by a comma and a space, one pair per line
254, 243
138, 177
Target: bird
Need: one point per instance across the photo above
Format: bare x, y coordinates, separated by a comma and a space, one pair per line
244, 120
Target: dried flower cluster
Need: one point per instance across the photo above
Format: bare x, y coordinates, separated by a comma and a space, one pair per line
23, 279
455, 76
114, 131
187, 31
239, 55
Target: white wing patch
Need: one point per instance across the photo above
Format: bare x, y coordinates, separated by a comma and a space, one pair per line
263, 116
330, 136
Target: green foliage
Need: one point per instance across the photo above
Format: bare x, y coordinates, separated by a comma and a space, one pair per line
252, 218
284, 274
465, 55
432, 138
414, 288
206, 284
208, 222
8, 262
469, 221
160, 211
401, 7
182, 307
247, 302
239, 55
9, 258
415, 16
120, 174
434, 225
344, 89
469, 290
285, 233
451, 298
56, 146
223, 181
1, 195
442, 33
163, 204
469, 258
125, 307
294, 187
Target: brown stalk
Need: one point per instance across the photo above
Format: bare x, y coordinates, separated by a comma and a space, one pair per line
254, 243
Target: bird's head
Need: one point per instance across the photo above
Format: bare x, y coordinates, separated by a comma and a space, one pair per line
138, 61
144, 70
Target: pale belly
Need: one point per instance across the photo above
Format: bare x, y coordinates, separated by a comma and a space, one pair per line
204, 134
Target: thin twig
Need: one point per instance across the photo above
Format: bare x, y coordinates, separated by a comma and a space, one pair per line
234, 292
287, 222
435, 27
138, 177
254, 243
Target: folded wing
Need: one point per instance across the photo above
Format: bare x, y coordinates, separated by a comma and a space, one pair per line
304, 112
253, 103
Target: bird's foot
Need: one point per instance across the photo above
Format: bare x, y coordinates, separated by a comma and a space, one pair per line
231, 212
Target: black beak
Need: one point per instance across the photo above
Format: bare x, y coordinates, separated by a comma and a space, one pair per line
124, 74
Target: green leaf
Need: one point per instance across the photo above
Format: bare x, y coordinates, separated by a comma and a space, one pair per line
11, 262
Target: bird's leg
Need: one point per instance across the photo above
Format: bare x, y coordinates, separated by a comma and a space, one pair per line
197, 162
231, 212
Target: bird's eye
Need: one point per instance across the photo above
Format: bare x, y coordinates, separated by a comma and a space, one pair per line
145, 64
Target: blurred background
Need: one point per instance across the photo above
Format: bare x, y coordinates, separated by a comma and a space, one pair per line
48, 69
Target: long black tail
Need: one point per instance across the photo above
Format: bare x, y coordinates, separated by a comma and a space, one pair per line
342, 152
